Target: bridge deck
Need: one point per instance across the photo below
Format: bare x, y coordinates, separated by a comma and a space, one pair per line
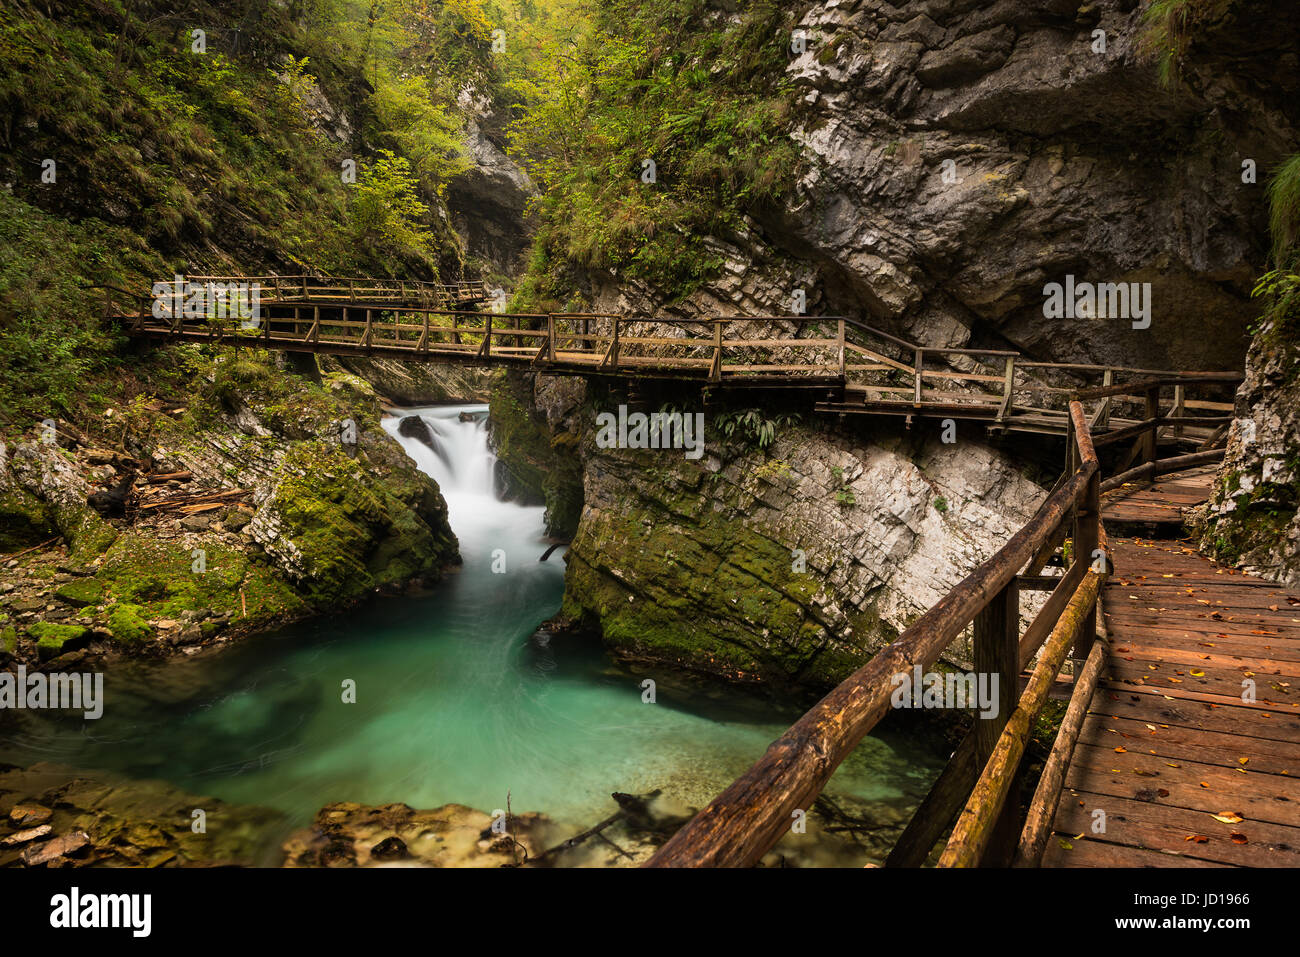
1168, 742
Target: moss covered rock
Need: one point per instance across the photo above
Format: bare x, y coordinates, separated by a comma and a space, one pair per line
81, 592
748, 563
24, 521
52, 639
340, 525
127, 625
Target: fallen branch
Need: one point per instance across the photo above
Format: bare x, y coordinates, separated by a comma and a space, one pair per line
56, 538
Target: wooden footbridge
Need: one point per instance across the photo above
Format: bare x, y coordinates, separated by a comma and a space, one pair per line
847, 366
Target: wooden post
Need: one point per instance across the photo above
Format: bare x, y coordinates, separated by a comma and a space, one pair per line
1008, 386
369, 327
715, 370
487, 337
997, 652
1180, 399
305, 293
840, 336
1087, 540
1149, 436
613, 353
550, 336
424, 336
920, 358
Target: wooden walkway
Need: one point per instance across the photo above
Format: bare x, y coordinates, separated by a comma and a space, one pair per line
1186, 772
849, 367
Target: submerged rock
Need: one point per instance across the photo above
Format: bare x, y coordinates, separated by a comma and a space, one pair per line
346, 834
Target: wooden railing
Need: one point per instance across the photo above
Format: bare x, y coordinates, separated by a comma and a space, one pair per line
334, 289
978, 785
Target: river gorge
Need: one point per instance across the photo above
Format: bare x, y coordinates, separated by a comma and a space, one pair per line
461, 696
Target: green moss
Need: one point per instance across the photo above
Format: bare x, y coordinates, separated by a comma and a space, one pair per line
159, 579
81, 592
51, 637
706, 591
126, 624
9, 638
353, 527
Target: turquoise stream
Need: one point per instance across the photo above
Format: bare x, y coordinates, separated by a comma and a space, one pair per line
459, 698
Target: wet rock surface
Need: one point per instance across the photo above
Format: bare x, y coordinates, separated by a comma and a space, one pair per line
52, 816
346, 834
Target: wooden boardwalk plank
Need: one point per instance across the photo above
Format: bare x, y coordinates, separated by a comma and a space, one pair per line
1169, 741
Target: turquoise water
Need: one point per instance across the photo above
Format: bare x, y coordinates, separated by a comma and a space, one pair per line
458, 697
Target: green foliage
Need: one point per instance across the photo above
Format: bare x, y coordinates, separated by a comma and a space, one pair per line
50, 335
386, 210
1280, 290
702, 96
1284, 212
424, 132
752, 425
1169, 28
941, 505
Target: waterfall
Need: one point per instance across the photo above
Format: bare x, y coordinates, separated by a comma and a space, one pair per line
461, 462
465, 470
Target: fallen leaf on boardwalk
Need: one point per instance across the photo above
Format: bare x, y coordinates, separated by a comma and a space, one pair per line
1195, 673
1238, 838
1168, 765
1162, 792
1066, 844
1121, 750
1198, 838
1243, 760
1229, 817
1205, 785
1151, 726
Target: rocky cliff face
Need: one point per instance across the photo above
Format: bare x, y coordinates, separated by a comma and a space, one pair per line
962, 155
790, 564
488, 203
1252, 520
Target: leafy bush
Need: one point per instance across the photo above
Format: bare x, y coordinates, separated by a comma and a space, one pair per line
752, 425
